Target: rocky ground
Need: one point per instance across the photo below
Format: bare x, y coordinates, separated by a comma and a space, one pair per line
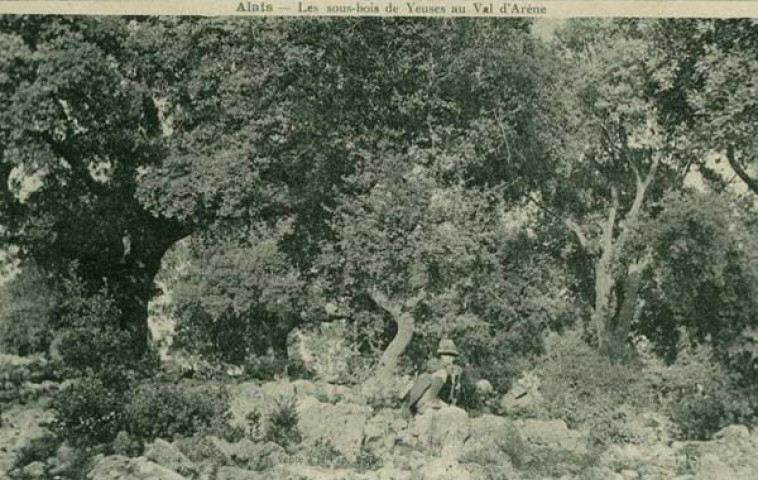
347, 437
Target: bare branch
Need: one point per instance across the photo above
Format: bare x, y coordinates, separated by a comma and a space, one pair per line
574, 227
383, 302
641, 187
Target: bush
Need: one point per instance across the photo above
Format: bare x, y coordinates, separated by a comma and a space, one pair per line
88, 413
585, 389
171, 410
282, 423
698, 393
27, 306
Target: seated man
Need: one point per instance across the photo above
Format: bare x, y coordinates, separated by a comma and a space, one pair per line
425, 392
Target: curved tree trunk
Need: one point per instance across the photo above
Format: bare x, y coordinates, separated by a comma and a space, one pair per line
400, 313
391, 356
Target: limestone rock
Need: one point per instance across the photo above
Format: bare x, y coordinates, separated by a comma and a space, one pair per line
484, 387
34, 470
117, 467
730, 455
235, 473
523, 395
733, 433
494, 440
553, 434
712, 468
165, 454
444, 469
383, 431
442, 430
307, 472
341, 425
248, 397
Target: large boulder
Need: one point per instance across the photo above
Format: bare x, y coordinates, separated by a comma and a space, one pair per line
341, 425
731, 454
382, 432
117, 467
553, 434
494, 441
165, 454
441, 431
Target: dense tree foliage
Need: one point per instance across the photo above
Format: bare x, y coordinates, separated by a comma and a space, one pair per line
416, 178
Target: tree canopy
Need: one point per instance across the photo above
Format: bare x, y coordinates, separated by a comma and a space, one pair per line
416, 177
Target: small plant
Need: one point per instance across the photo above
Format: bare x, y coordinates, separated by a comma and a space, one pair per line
254, 421
282, 425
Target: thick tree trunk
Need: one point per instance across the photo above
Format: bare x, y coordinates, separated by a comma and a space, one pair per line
133, 280
619, 332
604, 279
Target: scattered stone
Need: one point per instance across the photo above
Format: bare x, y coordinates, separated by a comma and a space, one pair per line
169, 456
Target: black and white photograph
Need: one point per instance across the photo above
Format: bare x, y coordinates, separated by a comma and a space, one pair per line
378, 248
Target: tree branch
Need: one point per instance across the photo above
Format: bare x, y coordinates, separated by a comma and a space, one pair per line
642, 185
574, 227
752, 183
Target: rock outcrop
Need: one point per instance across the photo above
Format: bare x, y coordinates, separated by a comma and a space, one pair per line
117, 467
341, 425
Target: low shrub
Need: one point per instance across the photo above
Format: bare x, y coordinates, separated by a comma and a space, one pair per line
88, 413
698, 393
585, 389
181, 409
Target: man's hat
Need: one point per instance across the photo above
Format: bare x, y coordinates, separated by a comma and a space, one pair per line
447, 347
